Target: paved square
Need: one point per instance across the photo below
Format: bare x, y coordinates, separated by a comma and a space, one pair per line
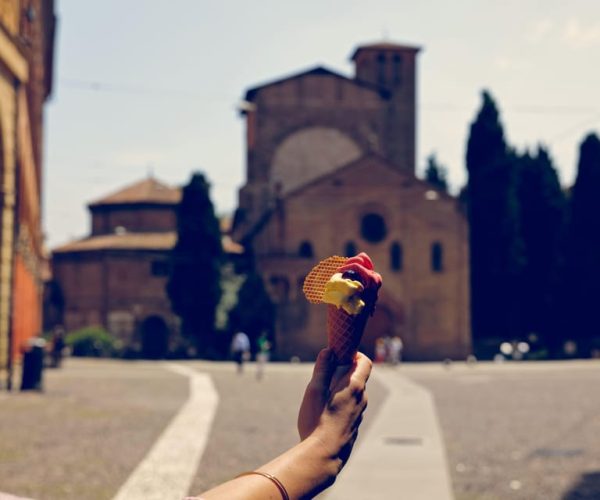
522, 431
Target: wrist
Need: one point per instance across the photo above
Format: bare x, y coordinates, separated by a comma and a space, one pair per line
324, 452
306, 469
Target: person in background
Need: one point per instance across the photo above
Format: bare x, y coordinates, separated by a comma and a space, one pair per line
262, 356
58, 346
328, 421
380, 351
395, 350
240, 348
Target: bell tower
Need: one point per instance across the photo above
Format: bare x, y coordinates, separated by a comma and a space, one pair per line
393, 68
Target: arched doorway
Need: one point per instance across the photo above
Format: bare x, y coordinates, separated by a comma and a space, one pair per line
383, 323
155, 338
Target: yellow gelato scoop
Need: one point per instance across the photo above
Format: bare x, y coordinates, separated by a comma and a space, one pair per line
344, 293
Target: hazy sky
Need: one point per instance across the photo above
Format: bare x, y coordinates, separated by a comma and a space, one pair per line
150, 84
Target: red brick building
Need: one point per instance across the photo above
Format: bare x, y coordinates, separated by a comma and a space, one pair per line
331, 170
26, 58
116, 277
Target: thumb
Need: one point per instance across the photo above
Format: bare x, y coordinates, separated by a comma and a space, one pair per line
324, 368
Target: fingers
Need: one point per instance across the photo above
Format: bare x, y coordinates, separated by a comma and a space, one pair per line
323, 370
355, 374
363, 367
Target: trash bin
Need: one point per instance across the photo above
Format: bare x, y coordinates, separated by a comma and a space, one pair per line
33, 365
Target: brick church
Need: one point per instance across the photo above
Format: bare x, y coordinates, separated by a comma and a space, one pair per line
116, 276
331, 170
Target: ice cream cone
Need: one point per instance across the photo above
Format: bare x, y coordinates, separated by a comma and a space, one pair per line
344, 332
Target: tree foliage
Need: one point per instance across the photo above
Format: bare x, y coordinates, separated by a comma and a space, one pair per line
583, 258
436, 174
542, 207
194, 283
496, 247
254, 312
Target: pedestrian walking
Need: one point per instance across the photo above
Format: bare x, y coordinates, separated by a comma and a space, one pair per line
380, 351
58, 346
395, 350
240, 348
262, 355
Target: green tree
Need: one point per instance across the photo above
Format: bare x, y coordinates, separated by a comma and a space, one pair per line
193, 286
496, 248
254, 312
542, 207
583, 265
436, 174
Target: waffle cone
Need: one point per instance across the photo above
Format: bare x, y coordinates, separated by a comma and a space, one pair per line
344, 332
314, 283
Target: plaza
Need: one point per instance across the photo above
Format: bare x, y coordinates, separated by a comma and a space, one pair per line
480, 431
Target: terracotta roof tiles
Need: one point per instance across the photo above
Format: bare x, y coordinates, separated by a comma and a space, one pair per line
147, 190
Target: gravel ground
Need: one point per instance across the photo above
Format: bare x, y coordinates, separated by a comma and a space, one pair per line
83, 436
97, 419
528, 431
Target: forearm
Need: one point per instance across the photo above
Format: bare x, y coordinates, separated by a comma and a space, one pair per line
304, 470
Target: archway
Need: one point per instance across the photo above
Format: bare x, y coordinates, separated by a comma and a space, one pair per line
155, 338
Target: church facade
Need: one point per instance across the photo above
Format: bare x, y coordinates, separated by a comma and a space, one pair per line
331, 170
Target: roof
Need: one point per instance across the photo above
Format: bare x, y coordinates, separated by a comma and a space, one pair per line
369, 157
317, 70
148, 190
137, 241
125, 241
385, 46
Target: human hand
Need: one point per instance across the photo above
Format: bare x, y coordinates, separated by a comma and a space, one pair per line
334, 402
316, 393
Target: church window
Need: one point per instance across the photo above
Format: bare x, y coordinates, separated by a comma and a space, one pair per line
437, 257
372, 228
381, 69
396, 256
306, 250
397, 67
350, 249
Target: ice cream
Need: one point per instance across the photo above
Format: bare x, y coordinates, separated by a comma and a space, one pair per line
349, 287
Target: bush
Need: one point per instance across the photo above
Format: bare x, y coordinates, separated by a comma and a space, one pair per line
92, 341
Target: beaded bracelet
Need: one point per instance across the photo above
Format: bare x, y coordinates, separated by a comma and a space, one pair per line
273, 479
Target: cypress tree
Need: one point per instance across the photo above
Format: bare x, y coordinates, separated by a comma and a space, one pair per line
194, 282
254, 312
543, 222
583, 266
496, 249
436, 174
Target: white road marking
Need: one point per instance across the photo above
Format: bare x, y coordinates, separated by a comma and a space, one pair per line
167, 470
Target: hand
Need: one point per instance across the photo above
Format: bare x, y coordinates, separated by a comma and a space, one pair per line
334, 403
316, 393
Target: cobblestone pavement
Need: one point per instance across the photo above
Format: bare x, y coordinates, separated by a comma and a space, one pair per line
519, 431
97, 419
527, 431
81, 438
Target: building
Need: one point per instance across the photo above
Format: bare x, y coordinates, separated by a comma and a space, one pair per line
26, 52
331, 170
116, 277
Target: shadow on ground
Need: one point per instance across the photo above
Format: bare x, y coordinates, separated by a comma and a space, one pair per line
586, 488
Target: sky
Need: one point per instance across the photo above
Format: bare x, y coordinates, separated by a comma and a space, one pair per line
148, 86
